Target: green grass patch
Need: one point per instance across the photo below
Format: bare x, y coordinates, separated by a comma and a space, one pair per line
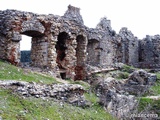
155, 90
122, 75
119, 74
127, 68
143, 103
84, 84
10, 72
91, 97
158, 76
150, 105
14, 107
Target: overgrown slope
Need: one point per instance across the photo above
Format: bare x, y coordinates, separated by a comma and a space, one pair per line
15, 107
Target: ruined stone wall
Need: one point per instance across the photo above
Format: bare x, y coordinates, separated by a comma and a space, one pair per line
39, 53
102, 52
13, 52
65, 45
130, 47
44, 30
106, 47
150, 52
93, 52
81, 54
3, 47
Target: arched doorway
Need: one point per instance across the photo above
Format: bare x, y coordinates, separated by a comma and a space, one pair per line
38, 47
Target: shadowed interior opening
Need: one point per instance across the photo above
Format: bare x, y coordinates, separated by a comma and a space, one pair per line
60, 50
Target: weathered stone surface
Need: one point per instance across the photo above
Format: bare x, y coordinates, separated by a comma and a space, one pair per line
104, 24
139, 82
150, 52
73, 13
70, 93
115, 100
129, 47
66, 37
119, 97
36, 28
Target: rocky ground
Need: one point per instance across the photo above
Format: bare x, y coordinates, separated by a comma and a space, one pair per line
121, 97
70, 93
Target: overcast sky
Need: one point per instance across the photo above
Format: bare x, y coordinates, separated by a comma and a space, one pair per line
142, 17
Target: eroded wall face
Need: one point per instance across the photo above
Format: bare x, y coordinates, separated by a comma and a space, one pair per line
129, 47
134, 52
150, 52
3, 53
71, 58
80, 69
93, 52
45, 29
107, 52
39, 53
13, 52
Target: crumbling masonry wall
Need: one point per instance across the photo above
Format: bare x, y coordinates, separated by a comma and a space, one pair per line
45, 30
65, 45
150, 52
3, 43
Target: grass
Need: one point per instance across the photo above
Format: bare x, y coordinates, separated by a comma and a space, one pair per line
127, 68
17, 108
144, 102
10, 72
155, 89
119, 74
158, 76
150, 105
84, 84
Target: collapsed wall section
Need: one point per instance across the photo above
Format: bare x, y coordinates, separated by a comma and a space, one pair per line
101, 43
150, 52
129, 47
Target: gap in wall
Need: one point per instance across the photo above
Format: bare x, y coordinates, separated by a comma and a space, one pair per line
25, 48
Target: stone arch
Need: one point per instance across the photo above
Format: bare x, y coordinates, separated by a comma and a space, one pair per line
81, 57
32, 28
38, 52
93, 51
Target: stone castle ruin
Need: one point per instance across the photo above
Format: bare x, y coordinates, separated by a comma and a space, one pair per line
65, 45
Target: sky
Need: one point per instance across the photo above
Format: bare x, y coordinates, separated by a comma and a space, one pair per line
140, 16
